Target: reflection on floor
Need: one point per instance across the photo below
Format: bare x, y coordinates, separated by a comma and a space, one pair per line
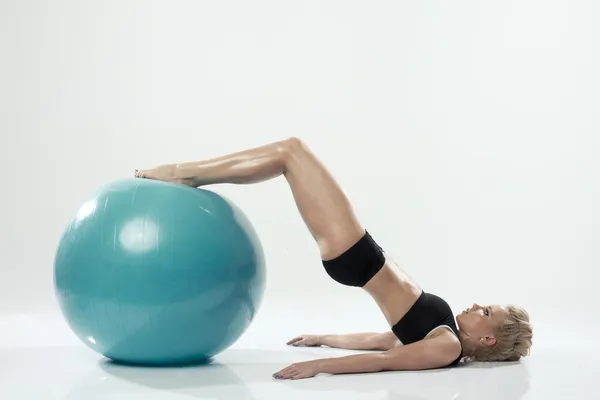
42, 360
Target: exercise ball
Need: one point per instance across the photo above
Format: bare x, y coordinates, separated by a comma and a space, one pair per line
155, 273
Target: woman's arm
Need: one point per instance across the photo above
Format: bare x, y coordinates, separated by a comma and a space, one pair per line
425, 354
362, 341
436, 352
352, 341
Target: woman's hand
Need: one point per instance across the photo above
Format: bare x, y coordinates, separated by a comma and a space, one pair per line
306, 341
300, 370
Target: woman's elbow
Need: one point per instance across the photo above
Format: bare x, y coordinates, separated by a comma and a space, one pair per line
384, 341
375, 363
411, 362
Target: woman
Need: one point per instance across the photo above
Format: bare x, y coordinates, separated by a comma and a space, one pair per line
423, 331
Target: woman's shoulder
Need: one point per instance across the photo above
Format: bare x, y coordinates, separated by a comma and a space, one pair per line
449, 341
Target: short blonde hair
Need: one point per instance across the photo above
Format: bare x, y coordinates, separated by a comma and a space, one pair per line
513, 338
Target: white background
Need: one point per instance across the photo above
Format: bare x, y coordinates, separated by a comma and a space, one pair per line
466, 134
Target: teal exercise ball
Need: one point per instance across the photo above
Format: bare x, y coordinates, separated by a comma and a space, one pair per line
154, 273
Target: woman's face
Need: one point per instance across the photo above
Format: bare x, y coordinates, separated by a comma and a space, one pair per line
480, 322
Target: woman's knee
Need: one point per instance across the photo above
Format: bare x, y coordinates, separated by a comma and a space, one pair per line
291, 148
293, 145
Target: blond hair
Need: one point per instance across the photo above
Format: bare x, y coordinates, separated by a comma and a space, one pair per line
513, 338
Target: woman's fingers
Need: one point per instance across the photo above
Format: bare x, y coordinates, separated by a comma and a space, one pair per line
295, 340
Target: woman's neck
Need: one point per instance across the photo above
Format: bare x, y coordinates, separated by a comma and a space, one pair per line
468, 348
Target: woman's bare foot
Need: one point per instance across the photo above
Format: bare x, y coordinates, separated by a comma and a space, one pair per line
165, 173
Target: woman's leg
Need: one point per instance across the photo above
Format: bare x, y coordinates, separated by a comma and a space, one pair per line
323, 205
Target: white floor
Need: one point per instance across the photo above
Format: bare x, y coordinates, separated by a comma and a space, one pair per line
41, 359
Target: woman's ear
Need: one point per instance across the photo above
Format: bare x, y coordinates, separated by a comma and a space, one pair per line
488, 340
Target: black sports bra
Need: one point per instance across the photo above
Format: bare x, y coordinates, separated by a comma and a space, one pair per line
429, 313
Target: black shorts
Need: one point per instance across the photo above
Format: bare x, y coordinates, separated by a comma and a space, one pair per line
357, 265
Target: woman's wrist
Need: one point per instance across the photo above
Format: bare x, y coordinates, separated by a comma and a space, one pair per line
321, 365
325, 339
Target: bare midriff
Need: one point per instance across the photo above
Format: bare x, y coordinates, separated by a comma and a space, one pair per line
393, 291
